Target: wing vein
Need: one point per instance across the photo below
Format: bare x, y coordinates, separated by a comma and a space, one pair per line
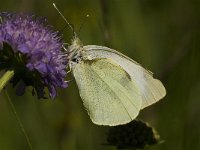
116, 95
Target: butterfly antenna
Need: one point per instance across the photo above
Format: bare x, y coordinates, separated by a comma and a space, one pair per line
83, 22
70, 25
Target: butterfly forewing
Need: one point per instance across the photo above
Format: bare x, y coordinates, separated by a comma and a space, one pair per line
151, 89
108, 93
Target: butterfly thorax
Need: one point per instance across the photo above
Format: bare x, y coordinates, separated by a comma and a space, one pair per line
76, 51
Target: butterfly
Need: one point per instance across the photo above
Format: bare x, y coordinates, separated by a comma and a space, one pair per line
113, 87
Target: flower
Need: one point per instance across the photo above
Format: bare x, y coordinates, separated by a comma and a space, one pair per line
134, 135
35, 51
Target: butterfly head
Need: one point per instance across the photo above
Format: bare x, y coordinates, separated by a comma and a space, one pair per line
75, 50
76, 44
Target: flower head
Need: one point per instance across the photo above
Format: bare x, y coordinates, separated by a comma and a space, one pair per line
36, 50
134, 135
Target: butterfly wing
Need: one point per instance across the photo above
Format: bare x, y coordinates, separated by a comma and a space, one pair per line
108, 93
151, 89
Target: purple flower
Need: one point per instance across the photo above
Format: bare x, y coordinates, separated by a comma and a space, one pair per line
37, 48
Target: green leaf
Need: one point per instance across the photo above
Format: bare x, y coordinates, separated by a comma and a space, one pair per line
6, 57
5, 78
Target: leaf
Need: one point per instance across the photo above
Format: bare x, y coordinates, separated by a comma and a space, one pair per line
6, 56
5, 78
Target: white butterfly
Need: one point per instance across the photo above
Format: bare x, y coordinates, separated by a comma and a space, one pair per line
113, 87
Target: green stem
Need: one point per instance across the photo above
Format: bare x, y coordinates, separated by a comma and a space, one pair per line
5, 78
18, 120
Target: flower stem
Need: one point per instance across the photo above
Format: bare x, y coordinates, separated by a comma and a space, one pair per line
18, 120
6, 78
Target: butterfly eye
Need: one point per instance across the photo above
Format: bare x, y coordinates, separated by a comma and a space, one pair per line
74, 60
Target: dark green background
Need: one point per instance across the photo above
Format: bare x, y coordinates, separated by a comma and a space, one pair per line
164, 36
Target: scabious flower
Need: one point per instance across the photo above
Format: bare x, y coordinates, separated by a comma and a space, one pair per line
134, 135
34, 54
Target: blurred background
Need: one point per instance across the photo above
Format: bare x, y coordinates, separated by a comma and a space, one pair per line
163, 36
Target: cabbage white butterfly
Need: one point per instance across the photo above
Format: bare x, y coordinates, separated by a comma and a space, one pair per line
113, 87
